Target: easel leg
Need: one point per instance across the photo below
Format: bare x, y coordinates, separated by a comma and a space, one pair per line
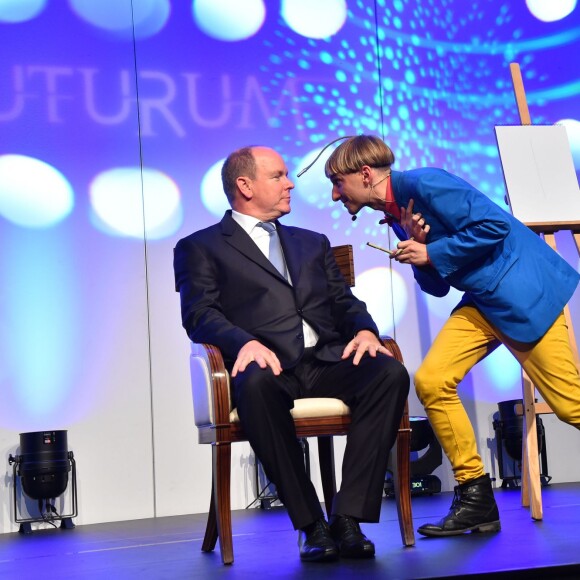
531, 491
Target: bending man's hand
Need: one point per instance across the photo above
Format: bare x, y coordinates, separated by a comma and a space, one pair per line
411, 252
364, 341
255, 351
414, 224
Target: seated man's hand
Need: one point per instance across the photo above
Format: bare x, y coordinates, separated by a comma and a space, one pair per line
364, 341
255, 351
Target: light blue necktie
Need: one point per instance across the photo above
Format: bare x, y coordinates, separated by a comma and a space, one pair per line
275, 249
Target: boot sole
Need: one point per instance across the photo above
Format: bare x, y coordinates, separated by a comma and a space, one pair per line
487, 528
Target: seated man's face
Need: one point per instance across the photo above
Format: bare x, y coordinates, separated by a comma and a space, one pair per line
271, 187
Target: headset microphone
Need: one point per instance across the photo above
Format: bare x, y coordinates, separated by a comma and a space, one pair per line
354, 218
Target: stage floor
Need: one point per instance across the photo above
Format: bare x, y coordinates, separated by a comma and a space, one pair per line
265, 546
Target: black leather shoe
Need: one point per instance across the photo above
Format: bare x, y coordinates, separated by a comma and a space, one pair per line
473, 510
351, 542
316, 543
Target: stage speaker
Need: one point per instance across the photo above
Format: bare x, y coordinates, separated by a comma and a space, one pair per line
508, 427
426, 456
43, 464
43, 468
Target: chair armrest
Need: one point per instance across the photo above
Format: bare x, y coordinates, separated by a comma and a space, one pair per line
210, 385
393, 347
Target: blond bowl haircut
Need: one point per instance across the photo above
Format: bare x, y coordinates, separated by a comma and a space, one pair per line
351, 155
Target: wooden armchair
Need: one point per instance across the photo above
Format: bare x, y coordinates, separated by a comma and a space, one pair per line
218, 425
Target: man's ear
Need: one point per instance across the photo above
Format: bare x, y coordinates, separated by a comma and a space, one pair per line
366, 174
245, 186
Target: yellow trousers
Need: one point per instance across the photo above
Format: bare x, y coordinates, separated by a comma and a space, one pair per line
465, 339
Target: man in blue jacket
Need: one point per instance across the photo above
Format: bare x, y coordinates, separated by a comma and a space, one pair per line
515, 289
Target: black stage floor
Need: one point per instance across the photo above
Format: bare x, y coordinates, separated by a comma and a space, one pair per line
265, 546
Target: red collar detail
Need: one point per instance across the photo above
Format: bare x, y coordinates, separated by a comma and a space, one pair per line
391, 206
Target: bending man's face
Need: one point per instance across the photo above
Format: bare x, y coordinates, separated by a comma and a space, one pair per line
350, 190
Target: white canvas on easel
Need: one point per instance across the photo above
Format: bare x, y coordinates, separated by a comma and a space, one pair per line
539, 173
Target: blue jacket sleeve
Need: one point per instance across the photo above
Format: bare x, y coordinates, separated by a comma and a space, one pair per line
430, 282
427, 277
466, 226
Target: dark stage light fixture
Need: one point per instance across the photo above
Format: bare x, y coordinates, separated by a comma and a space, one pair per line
423, 482
508, 427
43, 467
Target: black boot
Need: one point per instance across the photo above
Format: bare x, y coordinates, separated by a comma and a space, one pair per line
473, 510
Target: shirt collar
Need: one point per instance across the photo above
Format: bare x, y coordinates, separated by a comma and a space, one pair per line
247, 222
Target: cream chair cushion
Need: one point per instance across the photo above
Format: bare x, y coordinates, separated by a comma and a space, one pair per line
306, 408
203, 402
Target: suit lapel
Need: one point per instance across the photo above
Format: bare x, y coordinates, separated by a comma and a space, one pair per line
235, 236
292, 248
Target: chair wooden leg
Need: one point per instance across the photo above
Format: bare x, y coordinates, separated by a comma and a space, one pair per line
211, 531
531, 485
402, 480
222, 463
327, 474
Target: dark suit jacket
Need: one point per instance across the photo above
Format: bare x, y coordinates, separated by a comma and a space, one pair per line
231, 293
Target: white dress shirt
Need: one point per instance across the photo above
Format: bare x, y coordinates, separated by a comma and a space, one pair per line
262, 239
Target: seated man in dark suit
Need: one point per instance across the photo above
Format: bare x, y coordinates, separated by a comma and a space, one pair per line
289, 333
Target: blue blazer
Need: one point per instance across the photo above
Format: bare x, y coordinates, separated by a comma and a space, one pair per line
507, 271
231, 293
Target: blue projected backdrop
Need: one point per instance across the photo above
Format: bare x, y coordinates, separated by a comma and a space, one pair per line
116, 115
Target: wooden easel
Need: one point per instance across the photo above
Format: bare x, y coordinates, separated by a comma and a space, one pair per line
531, 490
